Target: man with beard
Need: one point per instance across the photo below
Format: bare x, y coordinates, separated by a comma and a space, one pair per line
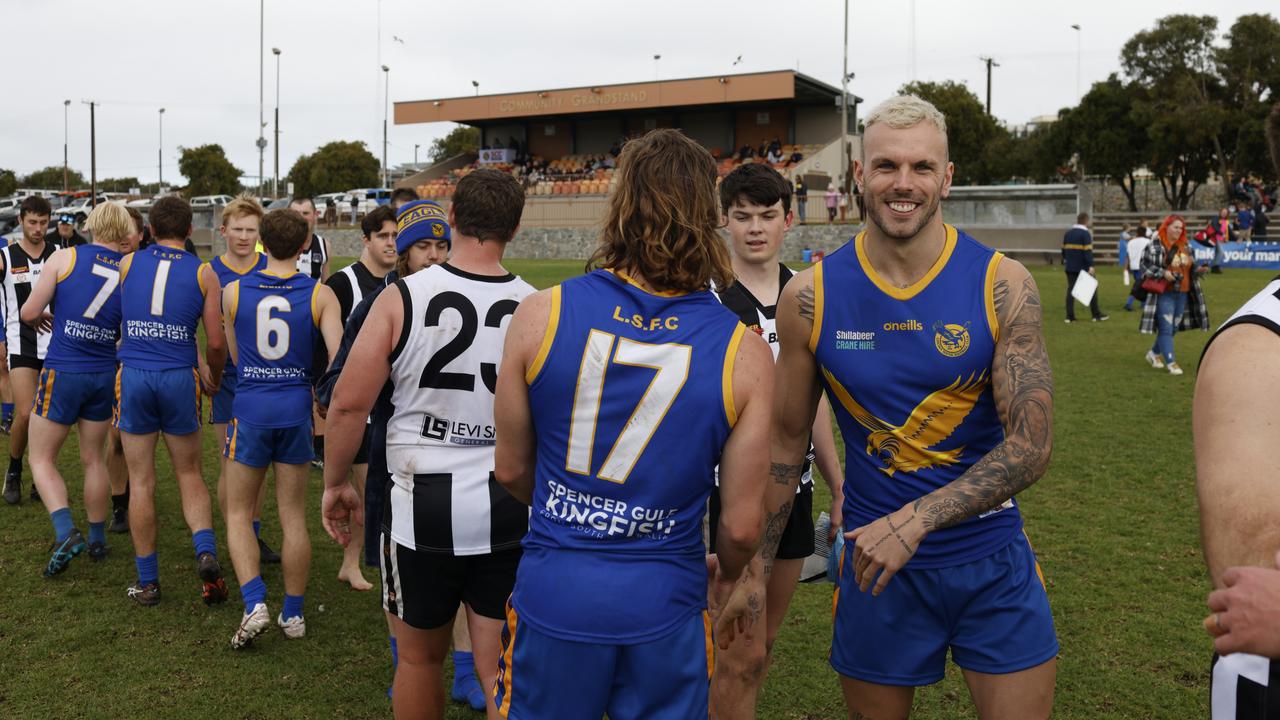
930, 346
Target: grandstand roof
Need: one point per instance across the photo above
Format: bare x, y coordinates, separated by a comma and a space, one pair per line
782, 85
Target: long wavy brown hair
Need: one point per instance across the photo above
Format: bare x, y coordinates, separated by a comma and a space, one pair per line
662, 220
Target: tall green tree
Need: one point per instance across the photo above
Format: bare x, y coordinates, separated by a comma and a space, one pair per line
335, 167
1249, 65
462, 139
1182, 108
208, 171
122, 185
969, 128
8, 182
1108, 136
50, 178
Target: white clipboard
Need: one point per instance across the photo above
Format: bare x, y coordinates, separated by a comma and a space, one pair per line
1086, 285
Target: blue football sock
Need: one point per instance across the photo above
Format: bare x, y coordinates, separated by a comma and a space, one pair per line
292, 606
466, 687
6, 409
148, 569
62, 524
257, 527
98, 532
395, 661
253, 592
203, 541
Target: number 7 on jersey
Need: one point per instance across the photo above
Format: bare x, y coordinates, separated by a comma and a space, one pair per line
670, 360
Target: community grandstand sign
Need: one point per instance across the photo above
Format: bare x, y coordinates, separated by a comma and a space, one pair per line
573, 100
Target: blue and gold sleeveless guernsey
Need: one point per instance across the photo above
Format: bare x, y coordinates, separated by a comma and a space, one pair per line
275, 321
632, 399
161, 301
908, 372
86, 317
222, 401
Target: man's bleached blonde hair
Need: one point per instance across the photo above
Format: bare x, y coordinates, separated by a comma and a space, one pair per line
110, 222
904, 111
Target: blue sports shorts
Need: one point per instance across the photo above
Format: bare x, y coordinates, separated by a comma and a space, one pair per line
258, 446
991, 613
65, 397
540, 676
167, 401
220, 412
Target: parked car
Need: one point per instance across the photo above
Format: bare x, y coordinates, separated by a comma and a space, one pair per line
278, 203
79, 208
210, 200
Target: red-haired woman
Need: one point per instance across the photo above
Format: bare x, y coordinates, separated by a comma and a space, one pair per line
1181, 306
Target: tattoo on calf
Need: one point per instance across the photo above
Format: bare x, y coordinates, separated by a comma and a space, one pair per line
1024, 400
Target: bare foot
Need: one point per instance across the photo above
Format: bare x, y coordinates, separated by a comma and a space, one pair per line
354, 578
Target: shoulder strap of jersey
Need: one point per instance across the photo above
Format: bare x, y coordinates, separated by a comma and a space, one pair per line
71, 265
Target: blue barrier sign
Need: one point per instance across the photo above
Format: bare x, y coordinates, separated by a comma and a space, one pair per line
1265, 256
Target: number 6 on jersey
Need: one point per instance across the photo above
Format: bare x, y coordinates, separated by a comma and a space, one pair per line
670, 360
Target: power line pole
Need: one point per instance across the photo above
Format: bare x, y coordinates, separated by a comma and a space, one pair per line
990, 64
844, 106
262, 142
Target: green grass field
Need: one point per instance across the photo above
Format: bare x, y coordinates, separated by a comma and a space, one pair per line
1113, 521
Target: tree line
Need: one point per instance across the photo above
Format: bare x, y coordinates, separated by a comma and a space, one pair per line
1185, 105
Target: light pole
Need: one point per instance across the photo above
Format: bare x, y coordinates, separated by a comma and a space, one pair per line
275, 183
386, 111
1076, 27
844, 106
66, 111
415, 156
93, 153
160, 154
656, 58
475, 84
262, 142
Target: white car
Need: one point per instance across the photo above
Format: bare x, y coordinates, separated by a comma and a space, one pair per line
79, 208
210, 200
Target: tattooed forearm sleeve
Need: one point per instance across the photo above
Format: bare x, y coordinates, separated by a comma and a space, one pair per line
775, 519
1023, 387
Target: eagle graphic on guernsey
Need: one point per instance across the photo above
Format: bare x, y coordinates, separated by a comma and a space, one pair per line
905, 447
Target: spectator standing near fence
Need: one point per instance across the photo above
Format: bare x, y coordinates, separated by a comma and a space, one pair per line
1244, 223
1136, 246
1077, 257
1217, 232
802, 197
833, 197
1123, 247
1180, 305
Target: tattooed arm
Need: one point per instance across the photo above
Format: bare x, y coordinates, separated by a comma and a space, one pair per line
1023, 389
795, 394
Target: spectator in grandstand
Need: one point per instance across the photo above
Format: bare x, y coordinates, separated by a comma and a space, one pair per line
802, 197
1134, 248
1181, 305
355, 207
1244, 222
745, 153
331, 213
1261, 220
833, 201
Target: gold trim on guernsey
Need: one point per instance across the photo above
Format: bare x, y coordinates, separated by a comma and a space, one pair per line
1076, 246
816, 330
993, 322
949, 245
257, 255
71, 265
632, 282
315, 305
726, 380
232, 293
201, 275
548, 338
126, 262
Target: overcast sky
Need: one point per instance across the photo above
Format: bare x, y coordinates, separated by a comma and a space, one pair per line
199, 61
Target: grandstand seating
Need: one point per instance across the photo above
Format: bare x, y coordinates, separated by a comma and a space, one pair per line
571, 174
